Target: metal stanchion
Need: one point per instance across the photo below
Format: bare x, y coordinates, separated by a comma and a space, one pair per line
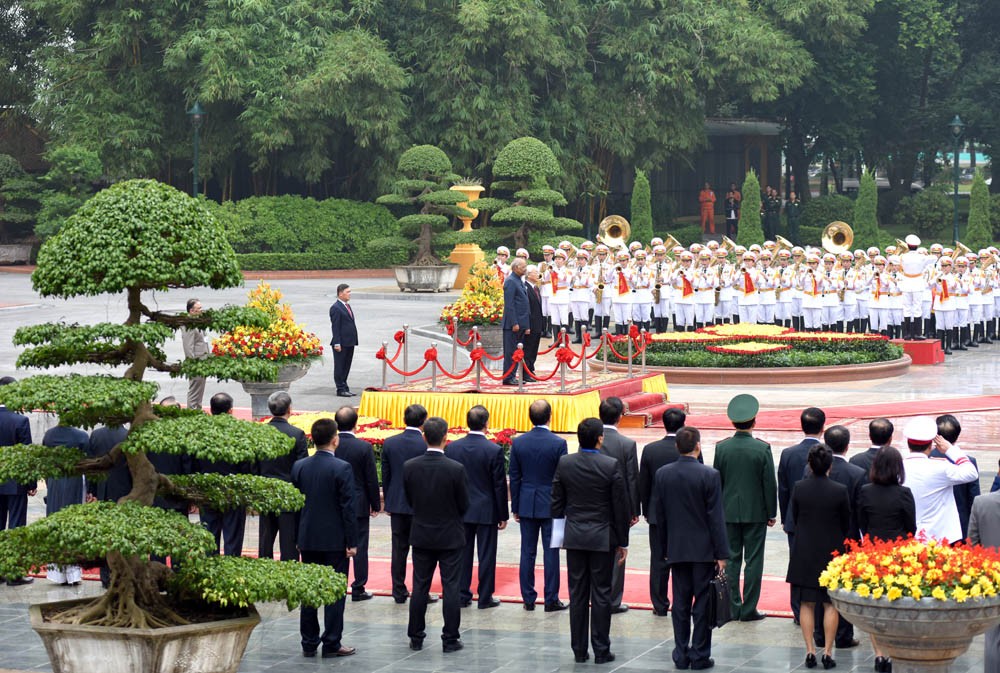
479, 364
434, 371
520, 370
606, 337
406, 352
629, 339
583, 365
562, 377
385, 363
642, 335
454, 345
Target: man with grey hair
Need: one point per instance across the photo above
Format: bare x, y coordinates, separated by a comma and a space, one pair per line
284, 524
195, 347
516, 322
536, 321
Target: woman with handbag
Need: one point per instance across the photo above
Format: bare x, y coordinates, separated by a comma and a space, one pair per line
821, 513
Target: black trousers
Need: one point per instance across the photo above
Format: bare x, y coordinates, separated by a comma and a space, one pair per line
659, 572
13, 511
531, 344
424, 563
227, 527
399, 524
481, 540
360, 560
617, 584
589, 575
510, 341
691, 598
342, 367
285, 525
333, 614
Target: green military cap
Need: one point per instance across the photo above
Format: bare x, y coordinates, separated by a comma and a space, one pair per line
743, 408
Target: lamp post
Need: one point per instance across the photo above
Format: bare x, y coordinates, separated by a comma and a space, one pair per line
197, 115
956, 127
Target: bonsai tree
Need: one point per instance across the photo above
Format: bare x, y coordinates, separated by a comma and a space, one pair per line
750, 231
423, 192
134, 237
642, 209
979, 235
866, 231
523, 167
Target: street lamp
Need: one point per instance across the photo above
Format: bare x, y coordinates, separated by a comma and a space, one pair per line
197, 116
956, 127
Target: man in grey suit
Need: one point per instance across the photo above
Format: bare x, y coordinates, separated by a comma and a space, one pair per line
622, 449
984, 529
193, 341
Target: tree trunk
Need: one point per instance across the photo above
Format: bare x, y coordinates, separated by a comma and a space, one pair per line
798, 160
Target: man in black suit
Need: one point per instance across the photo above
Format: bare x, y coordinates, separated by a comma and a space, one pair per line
879, 434
345, 339
588, 490
14, 429
949, 428
436, 488
516, 319
533, 459
284, 523
654, 456
487, 513
622, 449
228, 526
396, 450
359, 455
327, 533
536, 320
791, 468
166, 464
118, 482
693, 541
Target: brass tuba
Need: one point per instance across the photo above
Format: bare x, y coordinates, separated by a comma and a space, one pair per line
838, 237
961, 250
614, 232
670, 243
783, 243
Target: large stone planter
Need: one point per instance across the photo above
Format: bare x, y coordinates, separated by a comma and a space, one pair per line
212, 647
260, 391
921, 636
491, 338
426, 278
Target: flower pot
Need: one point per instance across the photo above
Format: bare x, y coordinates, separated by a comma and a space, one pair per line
426, 278
921, 636
208, 647
471, 192
259, 391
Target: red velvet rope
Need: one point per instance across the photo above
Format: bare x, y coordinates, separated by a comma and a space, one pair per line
405, 373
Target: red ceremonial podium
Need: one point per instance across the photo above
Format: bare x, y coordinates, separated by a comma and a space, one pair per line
927, 352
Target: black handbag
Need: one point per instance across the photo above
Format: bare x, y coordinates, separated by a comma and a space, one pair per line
720, 609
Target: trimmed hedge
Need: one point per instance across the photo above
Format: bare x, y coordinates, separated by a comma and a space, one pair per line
380, 253
822, 210
688, 235
488, 238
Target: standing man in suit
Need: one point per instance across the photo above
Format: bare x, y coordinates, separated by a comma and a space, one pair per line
118, 482
749, 496
654, 456
622, 449
345, 339
327, 533
396, 450
533, 460
229, 526
195, 347
693, 541
436, 488
359, 455
536, 320
516, 322
949, 428
791, 468
984, 529
879, 434
284, 524
487, 513
588, 490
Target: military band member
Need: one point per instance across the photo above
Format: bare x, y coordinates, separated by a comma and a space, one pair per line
862, 288
912, 285
944, 286
683, 284
500, 263
662, 309
621, 302
769, 279
962, 341
833, 283
798, 265
706, 279
987, 270
559, 283
745, 283
810, 284
603, 270
726, 307
893, 263
548, 257
981, 299
581, 297
926, 298
784, 289
522, 253
641, 280
850, 298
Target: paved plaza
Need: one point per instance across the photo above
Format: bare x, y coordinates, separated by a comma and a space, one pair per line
506, 638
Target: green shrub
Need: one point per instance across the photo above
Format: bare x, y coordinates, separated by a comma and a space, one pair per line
927, 214
687, 235
750, 229
811, 236
379, 254
641, 212
995, 215
823, 210
979, 233
865, 216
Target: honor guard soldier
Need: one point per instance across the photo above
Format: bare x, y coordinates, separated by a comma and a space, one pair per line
662, 290
726, 306
912, 285
642, 280
810, 284
581, 296
548, 261
706, 280
559, 283
683, 285
621, 302
746, 282
944, 286
602, 269
503, 269
784, 289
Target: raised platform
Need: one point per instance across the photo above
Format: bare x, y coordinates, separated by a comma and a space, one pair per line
778, 375
928, 352
645, 398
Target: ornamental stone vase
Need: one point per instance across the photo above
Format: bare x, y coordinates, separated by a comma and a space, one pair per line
259, 391
922, 636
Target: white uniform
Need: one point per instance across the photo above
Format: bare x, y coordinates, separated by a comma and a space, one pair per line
747, 297
931, 480
558, 283
911, 282
810, 284
706, 279
683, 297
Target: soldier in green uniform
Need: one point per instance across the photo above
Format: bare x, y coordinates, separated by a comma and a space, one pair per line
749, 498
793, 213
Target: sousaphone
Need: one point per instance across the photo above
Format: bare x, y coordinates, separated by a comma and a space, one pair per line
838, 237
614, 232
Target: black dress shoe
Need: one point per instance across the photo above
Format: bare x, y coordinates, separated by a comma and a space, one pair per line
661, 613
507, 382
399, 599
465, 604
342, 652
828, 662
604, 658
364, 596
847, 645
416, 644
581, 658
530, 607
617, 611
492, 603
20, 581
556, 607
431, 598
752, 617
810, 660
347, 394
453, 646
702, 665
308, 653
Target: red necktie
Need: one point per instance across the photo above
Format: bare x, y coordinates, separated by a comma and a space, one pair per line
349, 311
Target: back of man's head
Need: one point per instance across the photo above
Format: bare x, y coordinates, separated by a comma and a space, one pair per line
687, 439
323, 431
812, 420
477, 417
540, 412
673, 420
589, 432
435, 430
414, 416
7, 380
279, 403
949, 427
347, 419
221, 403
880, 431
838, 438
611, 410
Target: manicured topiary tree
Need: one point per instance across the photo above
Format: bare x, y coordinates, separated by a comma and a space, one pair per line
865, 221
523, 168
642, 209
979, 235
131, 238
750, 230
423, 193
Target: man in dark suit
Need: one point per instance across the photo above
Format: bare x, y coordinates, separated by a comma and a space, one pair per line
533, 459
949, 428
791, 468
436, 488
654, 456
536, 320
396, 450
359, 455
622, 449
879, 434
693, 541
588, 490
14, 429
487, 513
228, 526
327, 533
516, 318
345, 339
118, 482
284, 523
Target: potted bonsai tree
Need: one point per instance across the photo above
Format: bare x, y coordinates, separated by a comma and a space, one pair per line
131, 238
424, 192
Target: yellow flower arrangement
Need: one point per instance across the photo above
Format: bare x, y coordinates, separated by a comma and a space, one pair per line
283, 339
748, 348
746, 330
687, 337
481, 302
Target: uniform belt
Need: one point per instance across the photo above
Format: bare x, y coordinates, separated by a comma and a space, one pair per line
704, 289
765, 289
913, 275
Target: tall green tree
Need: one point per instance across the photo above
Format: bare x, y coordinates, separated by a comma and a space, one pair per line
642, 209
979, 234
865, 221
750, 229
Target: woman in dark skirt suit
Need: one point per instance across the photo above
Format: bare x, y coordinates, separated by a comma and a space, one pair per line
886, 512
821, 511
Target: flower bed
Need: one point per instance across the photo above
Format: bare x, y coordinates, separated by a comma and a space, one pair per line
283, 341
748, 348
481, 302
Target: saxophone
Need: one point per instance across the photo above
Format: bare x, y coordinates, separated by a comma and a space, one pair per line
656, 287
599, 292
